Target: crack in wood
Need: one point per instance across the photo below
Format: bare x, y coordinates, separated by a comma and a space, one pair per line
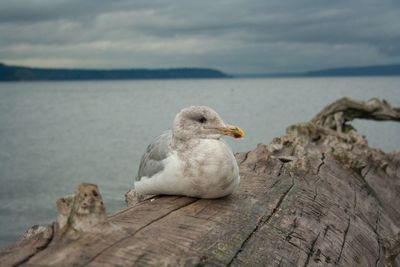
318, 177
245, 157
283, 197
294, 226
280, 169
262, 221
275, 183
378, 239
344, 240
312, 249
316, 188
326, 230
254, 167
297, 246
137, 231
354, 200
298, 236
322, 162
366, 172
367, 187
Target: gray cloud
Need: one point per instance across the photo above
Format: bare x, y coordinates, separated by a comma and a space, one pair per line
236, 36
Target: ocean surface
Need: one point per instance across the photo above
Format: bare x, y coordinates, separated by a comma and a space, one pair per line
55, 135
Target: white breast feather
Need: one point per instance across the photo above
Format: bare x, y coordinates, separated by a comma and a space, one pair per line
208, 155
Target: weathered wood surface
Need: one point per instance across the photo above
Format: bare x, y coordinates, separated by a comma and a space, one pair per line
311, 197
346, 109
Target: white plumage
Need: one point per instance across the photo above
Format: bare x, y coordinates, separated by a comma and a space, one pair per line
192, 159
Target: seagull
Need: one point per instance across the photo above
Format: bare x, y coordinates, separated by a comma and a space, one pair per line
191, 159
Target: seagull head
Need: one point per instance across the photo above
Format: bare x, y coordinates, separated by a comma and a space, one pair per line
202, 122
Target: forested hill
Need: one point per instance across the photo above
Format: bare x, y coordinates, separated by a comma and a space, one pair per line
373, 70
17, 73
377, 70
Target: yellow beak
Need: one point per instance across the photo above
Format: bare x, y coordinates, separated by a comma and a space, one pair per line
232, 130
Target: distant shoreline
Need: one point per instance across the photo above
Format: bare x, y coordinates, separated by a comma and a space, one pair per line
19, 73
364, 71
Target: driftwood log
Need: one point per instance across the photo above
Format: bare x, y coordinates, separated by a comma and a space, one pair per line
317, 196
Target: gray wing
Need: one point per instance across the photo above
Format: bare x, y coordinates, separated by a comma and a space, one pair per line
151, 162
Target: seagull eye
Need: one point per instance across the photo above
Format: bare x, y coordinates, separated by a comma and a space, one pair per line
202, 119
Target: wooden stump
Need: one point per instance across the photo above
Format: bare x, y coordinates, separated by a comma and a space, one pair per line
316, 196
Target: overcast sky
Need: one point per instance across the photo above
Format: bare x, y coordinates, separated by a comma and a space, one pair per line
236, 36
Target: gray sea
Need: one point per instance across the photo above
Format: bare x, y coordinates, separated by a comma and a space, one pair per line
55, 135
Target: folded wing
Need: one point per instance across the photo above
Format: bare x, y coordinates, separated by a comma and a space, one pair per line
152, 160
